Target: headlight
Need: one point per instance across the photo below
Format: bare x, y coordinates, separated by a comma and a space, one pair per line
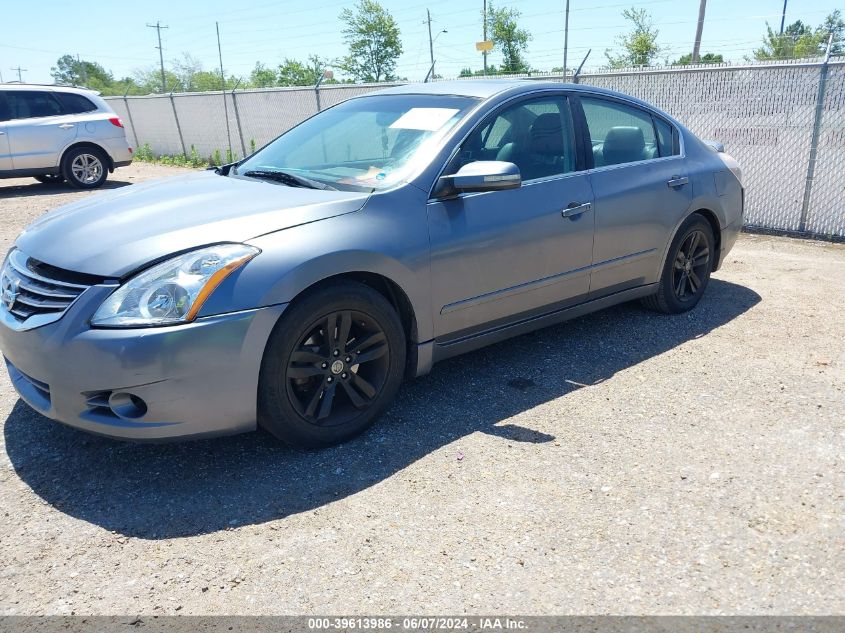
173, 291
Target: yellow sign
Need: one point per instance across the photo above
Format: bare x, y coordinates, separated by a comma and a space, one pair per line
486, 45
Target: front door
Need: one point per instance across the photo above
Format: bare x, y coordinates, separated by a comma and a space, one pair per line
38, 129
504, 255
642, 192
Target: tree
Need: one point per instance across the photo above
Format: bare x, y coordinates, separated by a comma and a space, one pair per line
511, 40
186, 69
372, 36
709, 58
799, 40
262, 77
70, 70
640, 45
295, 73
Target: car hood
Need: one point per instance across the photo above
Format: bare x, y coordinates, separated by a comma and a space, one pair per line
114, 233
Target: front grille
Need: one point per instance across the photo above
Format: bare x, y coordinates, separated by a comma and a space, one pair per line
32, 289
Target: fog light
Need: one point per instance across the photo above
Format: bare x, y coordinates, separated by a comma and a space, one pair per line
127, 405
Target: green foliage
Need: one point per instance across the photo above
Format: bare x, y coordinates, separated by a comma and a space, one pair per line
508, 38
145, 154
252, 148
216, 158
640, 45
373, 38
469, 72
69, 70
295, 73
709, 58
262, 77
800, 40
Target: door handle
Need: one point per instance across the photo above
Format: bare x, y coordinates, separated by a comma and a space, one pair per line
575, 209
678, 181
67, 126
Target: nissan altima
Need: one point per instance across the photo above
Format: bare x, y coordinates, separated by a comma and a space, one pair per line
295, 289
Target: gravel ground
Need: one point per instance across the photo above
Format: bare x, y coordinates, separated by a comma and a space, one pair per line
624, 462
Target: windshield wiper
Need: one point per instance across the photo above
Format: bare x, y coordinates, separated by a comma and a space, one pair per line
286, 178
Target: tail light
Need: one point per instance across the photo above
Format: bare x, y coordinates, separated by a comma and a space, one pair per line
115, 121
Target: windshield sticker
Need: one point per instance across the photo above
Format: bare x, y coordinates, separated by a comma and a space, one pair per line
427, 119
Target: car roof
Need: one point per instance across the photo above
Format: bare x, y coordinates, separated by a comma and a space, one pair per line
486, 88
51, 87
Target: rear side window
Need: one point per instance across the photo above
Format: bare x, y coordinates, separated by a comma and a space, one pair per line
619, 133
32, 104
4, 108
665, 140
76, 104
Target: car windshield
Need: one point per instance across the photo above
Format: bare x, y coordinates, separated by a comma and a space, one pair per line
362, 144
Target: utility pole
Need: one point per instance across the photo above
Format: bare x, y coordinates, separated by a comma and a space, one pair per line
565, 39
230, 157
783, 17
430, 43
696, 47
19, 70
157, 26
484, 20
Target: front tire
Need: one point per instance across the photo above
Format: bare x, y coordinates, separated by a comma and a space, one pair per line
332, 365
85, 168
687, 269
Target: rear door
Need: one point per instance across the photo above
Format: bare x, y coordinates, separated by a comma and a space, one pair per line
39, 128
641, 191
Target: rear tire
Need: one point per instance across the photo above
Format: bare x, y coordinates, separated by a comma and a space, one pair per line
687, 269
50, 179
332, 365
85, 167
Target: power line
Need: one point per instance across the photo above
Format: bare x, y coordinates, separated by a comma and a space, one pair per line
157, 26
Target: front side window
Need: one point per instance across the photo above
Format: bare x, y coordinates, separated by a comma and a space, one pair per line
619, 133
32, 104
366, 143
536, 135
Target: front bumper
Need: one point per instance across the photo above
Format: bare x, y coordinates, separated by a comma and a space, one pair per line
197, 379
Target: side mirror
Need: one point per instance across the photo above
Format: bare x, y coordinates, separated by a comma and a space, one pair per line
486, 175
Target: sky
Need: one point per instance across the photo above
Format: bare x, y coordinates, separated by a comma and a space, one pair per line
116, 36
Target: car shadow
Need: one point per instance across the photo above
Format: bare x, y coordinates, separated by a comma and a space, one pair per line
156, 491
36, 188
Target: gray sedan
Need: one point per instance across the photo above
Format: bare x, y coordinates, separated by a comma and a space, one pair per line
295, 289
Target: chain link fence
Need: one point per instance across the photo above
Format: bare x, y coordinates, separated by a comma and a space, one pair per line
784, 123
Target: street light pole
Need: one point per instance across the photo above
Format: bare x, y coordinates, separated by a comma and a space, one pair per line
565, 39
430, 43
696, 47
484, 21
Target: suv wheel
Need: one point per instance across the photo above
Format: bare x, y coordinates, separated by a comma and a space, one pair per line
333, 364
85, 167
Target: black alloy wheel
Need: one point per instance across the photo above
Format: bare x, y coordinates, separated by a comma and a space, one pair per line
332, 365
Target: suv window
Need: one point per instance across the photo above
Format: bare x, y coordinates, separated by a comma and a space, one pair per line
31, 104
536, 135
619, 133
4, 108
75, 104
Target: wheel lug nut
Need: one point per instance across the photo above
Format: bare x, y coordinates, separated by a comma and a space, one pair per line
348, 359
329, 379
336, 353
324, 365
343, 375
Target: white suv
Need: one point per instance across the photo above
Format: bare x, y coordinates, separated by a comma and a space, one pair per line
55, 133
